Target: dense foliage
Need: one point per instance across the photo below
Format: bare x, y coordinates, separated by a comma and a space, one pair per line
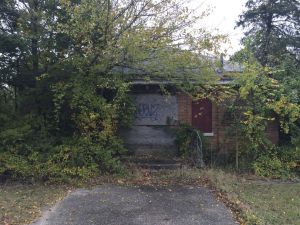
65, 71
261, 102
268, 90
66, 67
272, 29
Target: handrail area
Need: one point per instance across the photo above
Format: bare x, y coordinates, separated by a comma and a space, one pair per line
197, 150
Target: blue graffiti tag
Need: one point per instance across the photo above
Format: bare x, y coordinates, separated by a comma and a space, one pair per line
147, 111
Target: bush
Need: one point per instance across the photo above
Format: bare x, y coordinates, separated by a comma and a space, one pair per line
269, 166
280, 163
75, 159
183, 139
189, 144
185, 134
74, 135
28, 151
12, 165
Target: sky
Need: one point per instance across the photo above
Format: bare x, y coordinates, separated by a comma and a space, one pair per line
223, 17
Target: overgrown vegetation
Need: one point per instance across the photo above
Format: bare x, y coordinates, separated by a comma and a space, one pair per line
78, 145
66, 67
261, 102
185, 135
65, 72
268, 89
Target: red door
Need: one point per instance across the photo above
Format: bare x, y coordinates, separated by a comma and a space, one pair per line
202, 115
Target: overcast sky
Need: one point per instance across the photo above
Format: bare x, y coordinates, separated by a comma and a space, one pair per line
223, 17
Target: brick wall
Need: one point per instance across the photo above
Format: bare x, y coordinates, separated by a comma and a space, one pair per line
220, 140
184, 108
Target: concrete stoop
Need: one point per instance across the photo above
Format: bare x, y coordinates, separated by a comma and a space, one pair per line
155, 163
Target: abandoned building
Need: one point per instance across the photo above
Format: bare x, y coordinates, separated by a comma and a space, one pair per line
157, 113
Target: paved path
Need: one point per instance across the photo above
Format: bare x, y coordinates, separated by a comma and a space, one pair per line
117, 205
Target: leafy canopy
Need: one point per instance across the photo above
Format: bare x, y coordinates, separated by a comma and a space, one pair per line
272, 29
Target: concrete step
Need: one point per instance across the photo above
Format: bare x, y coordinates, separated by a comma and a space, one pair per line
156, 163
155, 166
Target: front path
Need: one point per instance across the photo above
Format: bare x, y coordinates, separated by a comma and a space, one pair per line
120, 205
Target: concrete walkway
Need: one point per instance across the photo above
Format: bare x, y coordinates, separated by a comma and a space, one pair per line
118, 205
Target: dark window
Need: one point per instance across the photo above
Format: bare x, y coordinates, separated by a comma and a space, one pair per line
202, 115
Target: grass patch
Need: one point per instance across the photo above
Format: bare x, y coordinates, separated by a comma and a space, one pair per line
262, 201
273, 203
254, 201
22, 203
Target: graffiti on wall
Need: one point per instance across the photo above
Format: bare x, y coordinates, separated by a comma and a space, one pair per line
147, 111
154, 109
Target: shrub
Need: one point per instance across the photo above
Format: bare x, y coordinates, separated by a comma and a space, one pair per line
12, 165
280, 163
187, 140
28, 151
185, 134
74, 136
74, 159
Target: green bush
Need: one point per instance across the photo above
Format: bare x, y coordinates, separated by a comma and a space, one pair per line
28, 151
72, 136
16, 166
83, 159
277, 164
75, 159
185, 135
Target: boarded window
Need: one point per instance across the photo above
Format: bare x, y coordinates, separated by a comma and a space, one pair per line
202, 115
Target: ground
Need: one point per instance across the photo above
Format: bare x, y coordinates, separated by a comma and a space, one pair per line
120, 205
22, 203
259, 201
253, 200
272, 203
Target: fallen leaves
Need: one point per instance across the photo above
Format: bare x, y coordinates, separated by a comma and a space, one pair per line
22, 203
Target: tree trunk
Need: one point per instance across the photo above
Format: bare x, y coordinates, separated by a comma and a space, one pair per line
237, 155
34, 40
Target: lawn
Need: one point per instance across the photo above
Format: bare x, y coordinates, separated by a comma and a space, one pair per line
272, 203
22, 203
262, 201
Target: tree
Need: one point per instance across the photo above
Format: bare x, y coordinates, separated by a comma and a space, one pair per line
71, 65
272, 36
27, 45
272, 29
8, 41
261, 99
149, 37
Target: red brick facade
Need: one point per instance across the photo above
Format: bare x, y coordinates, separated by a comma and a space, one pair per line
219, 138
184, 108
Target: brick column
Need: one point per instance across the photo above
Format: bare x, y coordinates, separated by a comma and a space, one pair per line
184, 108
